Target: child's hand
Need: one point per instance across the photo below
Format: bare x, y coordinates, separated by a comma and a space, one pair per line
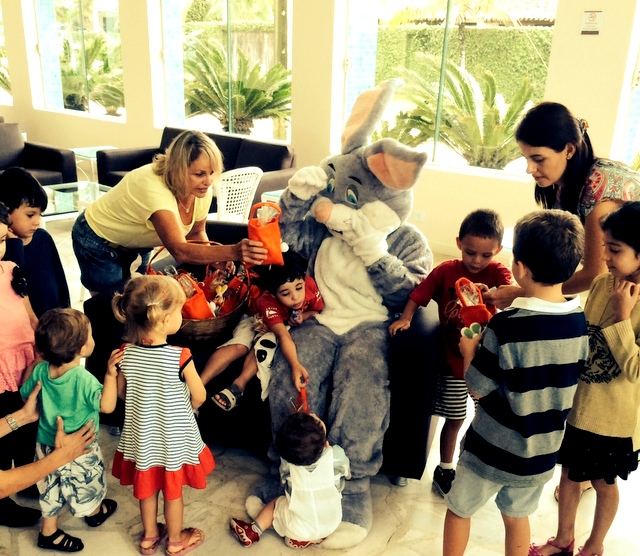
482, 287
624, 298
399, 326
113, 365
296, 318
300, 377
468, 348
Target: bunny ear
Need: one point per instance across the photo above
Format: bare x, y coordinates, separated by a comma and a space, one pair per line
394, 164
366, 113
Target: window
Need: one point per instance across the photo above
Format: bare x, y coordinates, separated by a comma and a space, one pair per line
82, 70
236, 61
5, 81
463, 111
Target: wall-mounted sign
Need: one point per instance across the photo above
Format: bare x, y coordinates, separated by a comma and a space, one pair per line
591, 23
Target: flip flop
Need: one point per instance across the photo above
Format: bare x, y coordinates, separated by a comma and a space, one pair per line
148, 550
231, 397
185, 543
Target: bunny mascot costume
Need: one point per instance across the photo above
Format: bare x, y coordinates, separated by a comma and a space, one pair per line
348, 218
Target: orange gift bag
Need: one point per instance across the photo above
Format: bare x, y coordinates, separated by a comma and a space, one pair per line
264, 226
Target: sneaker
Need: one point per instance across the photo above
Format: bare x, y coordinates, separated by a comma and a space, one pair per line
244, 531
442, 479
114, 431
292, 543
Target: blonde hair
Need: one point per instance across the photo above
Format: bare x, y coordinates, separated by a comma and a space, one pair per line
144, 303
61, 334
174, 164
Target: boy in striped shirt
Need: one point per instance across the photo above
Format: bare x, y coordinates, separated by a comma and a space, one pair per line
523, 370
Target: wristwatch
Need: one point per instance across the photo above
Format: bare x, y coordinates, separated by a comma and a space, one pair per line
12, 422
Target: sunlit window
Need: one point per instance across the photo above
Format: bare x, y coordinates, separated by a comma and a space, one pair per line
495, 66
79, 46
236, 67
5, 81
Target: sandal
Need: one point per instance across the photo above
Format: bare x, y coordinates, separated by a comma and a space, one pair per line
151, 549
230, 397
185, 544
556, 491
67, 543
581, 552
107, 508
534, 549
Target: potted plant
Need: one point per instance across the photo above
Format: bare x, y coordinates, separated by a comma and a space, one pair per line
252, 94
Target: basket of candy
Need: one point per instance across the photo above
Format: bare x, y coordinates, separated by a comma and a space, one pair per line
216, 297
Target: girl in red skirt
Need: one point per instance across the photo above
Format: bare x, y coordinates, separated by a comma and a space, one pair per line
160, 448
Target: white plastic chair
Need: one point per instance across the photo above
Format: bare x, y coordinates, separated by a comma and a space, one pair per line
234, 194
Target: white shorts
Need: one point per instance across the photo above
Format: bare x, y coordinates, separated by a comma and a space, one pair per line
244, 333
82, 484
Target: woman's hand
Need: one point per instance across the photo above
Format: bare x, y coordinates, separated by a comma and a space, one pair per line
29, 412
75, 444
624, 297
502, 296
250, 251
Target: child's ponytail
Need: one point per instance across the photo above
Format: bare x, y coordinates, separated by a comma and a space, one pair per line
144, 303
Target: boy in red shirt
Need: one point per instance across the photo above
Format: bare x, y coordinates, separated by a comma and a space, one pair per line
289, 297
480, 240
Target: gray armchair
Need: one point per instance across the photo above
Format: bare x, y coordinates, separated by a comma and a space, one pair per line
48, 164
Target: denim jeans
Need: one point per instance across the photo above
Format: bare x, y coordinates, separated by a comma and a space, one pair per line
103, 267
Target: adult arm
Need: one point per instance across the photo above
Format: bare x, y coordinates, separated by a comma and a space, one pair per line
67, 448
592, 264
168, 229
26, 414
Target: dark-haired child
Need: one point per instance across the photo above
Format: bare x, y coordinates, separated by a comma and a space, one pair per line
289, 298
602, 439
63, 337
479, 240
523, 370
16, 354
313, 475
32, 248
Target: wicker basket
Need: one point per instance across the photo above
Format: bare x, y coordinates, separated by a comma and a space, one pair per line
205, 329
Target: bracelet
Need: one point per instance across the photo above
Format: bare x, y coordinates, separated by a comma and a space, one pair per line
12, 422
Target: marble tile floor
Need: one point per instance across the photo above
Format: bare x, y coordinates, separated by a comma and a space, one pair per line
407, 521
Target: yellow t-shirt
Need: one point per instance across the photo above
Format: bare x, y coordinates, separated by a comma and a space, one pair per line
121, 216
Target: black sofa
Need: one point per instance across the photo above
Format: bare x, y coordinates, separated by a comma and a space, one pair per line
412, 363
276, 160
49, 165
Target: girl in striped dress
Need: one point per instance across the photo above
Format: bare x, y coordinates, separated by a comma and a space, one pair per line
160, 447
